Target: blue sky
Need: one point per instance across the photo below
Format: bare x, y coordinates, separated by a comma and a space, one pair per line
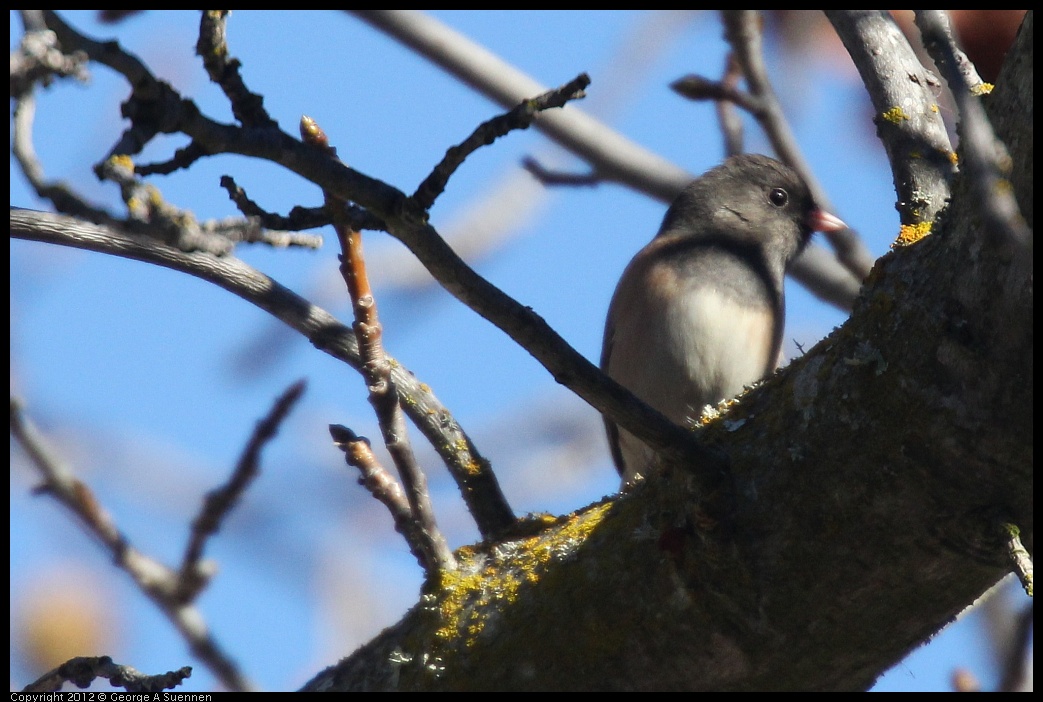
149, 382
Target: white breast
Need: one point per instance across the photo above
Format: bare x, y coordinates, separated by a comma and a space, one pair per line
681, 352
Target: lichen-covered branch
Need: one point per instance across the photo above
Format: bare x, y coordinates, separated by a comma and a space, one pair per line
908, 122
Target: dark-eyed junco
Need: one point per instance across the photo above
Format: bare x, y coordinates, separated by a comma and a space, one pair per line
699, 311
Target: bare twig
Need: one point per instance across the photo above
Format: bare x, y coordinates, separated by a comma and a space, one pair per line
731, 123
613, 156
383, 486
487, 132
551, 177
148, 213
220, 501
82, 671
252, 231
63, 197
470, 469
727, 95
696, 87
376, 370
157, 581
247, 107
39, 59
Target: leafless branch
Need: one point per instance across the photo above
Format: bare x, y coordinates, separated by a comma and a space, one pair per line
376, 371
212, 47
325, 332
157, 581
902, 91
81, 672
388, 491
613, 156
985, 157
39, 60
194, 574
487, 132
743, 31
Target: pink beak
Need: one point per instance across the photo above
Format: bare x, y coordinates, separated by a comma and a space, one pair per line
821, 221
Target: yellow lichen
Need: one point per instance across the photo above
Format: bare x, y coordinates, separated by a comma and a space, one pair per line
463, 598
911, 233
121, 161
895, 115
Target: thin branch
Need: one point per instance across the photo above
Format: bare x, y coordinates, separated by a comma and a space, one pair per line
486, 133
150, 214
299, 218
549, 177
155, 580
612, 157
383, 486
376, 370
696, 87
985, 157
212, 47
39, 59
731, 123
743, 31
82, 671
479, 487
58, 193
908, 123
252, 231
219, 502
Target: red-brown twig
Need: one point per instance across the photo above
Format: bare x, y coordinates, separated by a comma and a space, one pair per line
377, 373
382, 485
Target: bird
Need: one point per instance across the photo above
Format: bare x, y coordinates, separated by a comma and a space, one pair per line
699, 311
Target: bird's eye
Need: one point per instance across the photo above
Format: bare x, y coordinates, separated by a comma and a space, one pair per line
778, 197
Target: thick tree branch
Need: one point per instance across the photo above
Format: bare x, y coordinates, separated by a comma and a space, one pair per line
858, 515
